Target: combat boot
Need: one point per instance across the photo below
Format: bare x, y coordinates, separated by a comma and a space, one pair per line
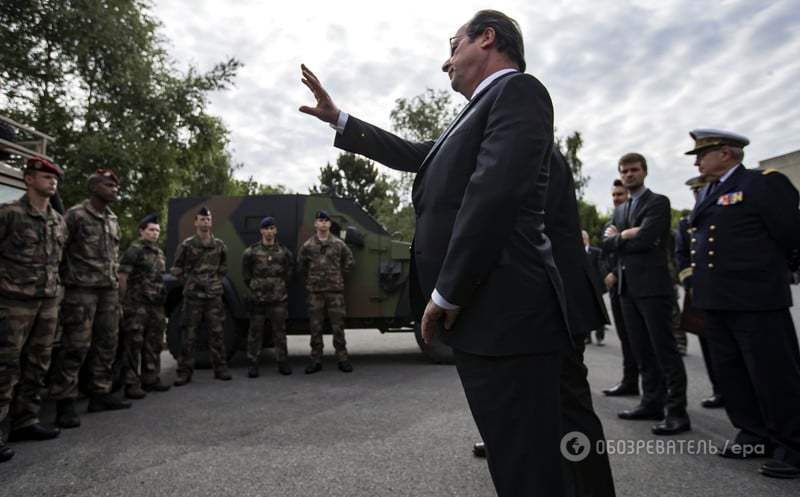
107, 402
182, 380
155, 387
66, 417
284, 368
313, 367
5, 451
223, 375
135, 392
252, 371
345, 366
35, 432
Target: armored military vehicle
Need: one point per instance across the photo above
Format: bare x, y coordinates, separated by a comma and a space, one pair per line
376, 290
17, 143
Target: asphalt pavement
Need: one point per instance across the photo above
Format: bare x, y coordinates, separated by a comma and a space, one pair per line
397, 426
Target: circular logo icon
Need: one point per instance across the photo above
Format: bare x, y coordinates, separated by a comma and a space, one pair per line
575, 446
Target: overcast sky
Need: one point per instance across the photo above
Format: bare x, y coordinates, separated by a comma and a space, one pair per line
629, 75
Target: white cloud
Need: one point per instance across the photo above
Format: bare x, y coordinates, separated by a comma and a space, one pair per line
629, 75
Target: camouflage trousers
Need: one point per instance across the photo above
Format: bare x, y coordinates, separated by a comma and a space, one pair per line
27, 328
276, 312
320, 305
212, 313
142, 338
90, 332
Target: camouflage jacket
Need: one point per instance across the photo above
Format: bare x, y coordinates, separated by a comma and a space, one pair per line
323, 264
30, 250
92, 250
266, 271
144, 264
200, 267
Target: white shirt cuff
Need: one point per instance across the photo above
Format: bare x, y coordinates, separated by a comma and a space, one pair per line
341, 122
441, 302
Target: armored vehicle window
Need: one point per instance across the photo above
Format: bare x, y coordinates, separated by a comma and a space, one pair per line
9, 193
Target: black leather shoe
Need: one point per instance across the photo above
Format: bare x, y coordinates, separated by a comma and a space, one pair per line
66, 417
345, 366
35, 432
673, 425
155, 387
284, 368
252, 371
5, 452
313, 367
223, 375
622, 389
779, 469
713, 402
135, 392
107, 402
642, 413
479, 449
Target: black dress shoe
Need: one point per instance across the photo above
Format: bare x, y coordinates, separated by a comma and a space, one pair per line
779, 469
182, 380
223, 375
622, 389
5, 452
35, 432
479, 449
673, 425
345, 366
313, 367
107, 402
713, 402
66, 417
252, 371
284, 368
642, 413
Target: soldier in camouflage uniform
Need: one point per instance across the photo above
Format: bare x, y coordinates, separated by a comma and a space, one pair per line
141, 286
200, 265
266, 270
90, 311
323, 260
31, 239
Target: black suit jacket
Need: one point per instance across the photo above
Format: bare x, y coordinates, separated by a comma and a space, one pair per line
741, 235
595, 256
642, 261
585, 308
479, 198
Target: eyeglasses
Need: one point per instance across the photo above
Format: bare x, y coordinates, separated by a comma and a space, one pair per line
454, 41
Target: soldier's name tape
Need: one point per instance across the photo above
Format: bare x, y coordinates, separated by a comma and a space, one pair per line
575, 447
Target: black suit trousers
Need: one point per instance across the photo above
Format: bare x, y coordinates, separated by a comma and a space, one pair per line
591, 476
649, 325
757, 364
630, 370
515, 403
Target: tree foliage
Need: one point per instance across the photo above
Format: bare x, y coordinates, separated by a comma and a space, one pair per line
95, 75
570, 147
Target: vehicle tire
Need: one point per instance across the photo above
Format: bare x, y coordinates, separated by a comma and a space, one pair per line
202, 360
437, 351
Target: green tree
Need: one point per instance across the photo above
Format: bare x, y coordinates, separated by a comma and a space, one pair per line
95, 74
570, 147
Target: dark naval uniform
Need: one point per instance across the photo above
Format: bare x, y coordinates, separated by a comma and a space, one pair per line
742, 233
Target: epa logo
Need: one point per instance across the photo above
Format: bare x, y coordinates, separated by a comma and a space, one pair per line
575, 446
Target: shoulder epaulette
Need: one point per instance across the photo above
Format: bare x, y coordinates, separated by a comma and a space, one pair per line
769, 171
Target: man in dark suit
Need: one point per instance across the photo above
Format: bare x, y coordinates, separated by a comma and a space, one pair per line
629, 385
595, 256
639, 236
480, 258
743, 229
585, 312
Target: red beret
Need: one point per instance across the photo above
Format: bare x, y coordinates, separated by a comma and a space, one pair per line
42, 165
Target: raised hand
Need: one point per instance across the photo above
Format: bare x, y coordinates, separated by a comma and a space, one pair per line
325, 109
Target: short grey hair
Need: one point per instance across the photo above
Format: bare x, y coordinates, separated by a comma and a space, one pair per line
508, 37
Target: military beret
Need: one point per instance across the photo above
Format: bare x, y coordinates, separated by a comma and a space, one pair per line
707, 138
322, 215
42, 165
696, 182
104, 173
204, 211
267, 222
148, 219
